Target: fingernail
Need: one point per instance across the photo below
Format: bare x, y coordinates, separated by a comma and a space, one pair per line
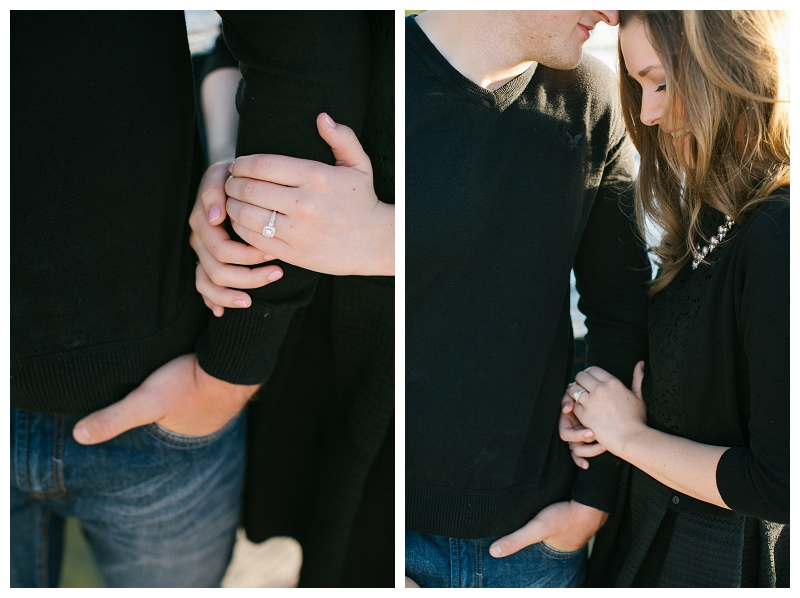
218, 312
494, 550
230, 167
213, 214
81, 434
585, 466
269, 258
240, 303
587, 434
275, 275
330, 122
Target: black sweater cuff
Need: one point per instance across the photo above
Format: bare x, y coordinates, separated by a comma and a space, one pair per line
597, 486
739, 491
242, 346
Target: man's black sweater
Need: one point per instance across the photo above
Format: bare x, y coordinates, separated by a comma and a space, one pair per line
106, 161
506, 192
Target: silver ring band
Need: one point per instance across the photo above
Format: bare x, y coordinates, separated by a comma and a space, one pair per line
269, 230
578, 393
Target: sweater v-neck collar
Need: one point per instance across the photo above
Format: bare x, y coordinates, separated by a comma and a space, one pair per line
499, 99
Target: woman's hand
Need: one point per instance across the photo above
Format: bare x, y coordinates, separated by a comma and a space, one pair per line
581, 440
208, 238
328, 220
614, 413
328, 217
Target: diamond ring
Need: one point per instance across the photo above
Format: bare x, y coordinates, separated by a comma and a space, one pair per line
578, 393
269, 230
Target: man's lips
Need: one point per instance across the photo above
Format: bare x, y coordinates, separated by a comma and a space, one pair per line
585, 29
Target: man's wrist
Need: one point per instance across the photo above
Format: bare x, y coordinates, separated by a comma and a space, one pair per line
239, 393
590, 517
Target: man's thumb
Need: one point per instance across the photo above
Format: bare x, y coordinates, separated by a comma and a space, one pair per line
345, 145
531, 533
131, 412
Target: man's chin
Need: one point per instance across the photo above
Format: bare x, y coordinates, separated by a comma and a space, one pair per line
564, 63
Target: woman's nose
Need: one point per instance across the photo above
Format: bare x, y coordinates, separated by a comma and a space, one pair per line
651, 113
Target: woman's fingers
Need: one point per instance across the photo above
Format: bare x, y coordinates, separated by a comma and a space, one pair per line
215, 296
638, 376
263, 194
215, 309
216, 241
238, 277
598, 373
579, 461
212, 192
255, 219
588, 380
271, 246
581, 449
571, 430
282, 170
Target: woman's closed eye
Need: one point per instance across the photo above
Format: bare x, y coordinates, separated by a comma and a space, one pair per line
661, 87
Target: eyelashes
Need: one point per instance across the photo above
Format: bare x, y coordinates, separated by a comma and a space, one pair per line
661, 87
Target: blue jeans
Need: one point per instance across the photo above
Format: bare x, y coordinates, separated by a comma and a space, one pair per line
159, 509
440, 562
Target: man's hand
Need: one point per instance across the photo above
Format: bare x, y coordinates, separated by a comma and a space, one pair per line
207, 237
179, 396
563, 525
581, 440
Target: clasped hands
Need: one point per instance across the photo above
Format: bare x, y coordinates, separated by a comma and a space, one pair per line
606, 411
327, 219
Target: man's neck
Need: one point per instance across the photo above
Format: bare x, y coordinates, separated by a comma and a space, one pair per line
478, 44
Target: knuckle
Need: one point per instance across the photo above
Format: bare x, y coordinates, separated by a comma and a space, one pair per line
248, 190
310, 209
262, 165
248, 218
215, 249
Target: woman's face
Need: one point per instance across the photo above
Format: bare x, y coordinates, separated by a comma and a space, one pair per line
643, 64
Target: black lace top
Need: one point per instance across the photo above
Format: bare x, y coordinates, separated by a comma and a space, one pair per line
672, 318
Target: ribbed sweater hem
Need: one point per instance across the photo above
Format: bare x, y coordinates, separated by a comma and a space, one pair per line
242, 346
91, 378
467, 514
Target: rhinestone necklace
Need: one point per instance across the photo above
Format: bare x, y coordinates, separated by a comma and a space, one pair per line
702, 252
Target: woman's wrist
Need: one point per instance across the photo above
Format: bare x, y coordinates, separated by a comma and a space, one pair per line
629, 445
383, 254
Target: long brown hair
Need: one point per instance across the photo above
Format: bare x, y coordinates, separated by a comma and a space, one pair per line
727, 69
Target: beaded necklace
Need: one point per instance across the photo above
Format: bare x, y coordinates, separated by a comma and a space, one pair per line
701, 252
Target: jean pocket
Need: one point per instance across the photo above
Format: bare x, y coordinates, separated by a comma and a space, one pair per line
184, 441
555, 553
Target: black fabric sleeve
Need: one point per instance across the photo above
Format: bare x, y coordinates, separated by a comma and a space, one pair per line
612, 271
755, 481
295, 64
